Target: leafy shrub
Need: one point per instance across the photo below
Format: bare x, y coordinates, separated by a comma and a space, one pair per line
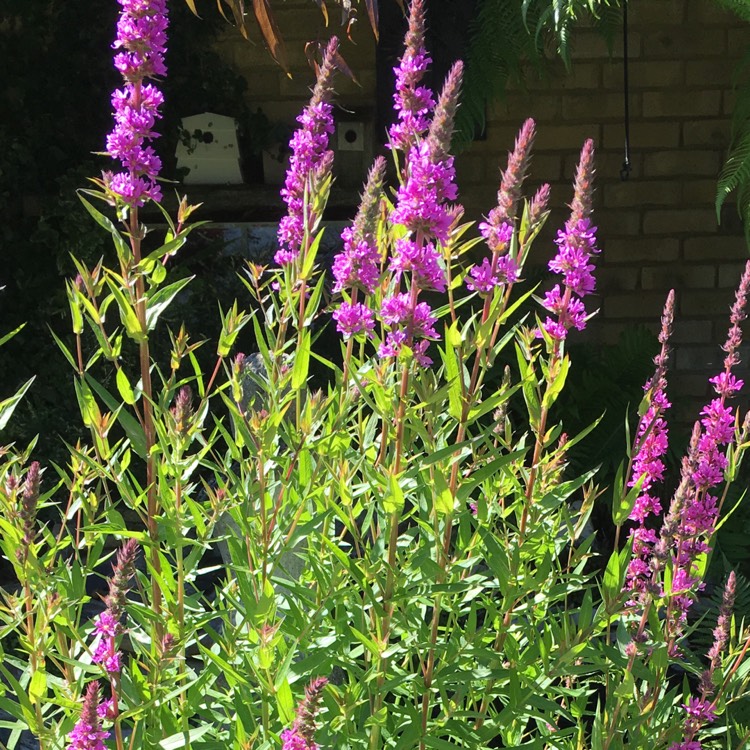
401, 551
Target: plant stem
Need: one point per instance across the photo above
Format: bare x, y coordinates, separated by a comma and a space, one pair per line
152, 503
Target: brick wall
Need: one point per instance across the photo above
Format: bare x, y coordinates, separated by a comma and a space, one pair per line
658, 229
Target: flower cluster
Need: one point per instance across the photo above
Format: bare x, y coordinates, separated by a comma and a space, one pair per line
413, 103
502, 268
700, 711
421, 208
87, 733
576, 247
28, 509
651, 444
302, 734
357, 267
107, 626
310, 161
141, 39
693, 513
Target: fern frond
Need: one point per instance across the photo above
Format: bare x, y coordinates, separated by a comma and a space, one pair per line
506, 38
736, 169
740, 8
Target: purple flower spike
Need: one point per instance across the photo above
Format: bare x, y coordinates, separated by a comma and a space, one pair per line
651, 445
141, 37
358, 265
310, 161
692, 516
576, 248
87, 733
412, 102
514, 175
302, 734
501, 269
352, 318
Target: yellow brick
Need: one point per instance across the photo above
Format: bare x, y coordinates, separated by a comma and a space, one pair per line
683, 163
642, 193
681, 103
643, 135
677, 221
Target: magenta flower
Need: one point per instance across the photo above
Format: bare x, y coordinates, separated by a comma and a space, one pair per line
142, 38
310, 161
301, 736
650, 449
420, 202
353, 318
357, 266
87, 733
107, 626
485, 278
693, 513
423, 260
413, 103
501, 268
576, 247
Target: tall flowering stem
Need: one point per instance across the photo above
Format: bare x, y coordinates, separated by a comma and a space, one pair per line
413, 103
108, 628
700, 711
141, 44
87, 733
303, 192
647, 467
576, 246
309, 164
301, 736
694, 511
357, 267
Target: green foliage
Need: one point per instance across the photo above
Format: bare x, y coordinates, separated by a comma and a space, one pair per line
510, 39
735, 174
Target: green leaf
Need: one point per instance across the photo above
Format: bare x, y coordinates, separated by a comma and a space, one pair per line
9, 404
622, 507
183, 739
301, 360
9, 336
127, 313
123, 249
123, 386
393, 502
442, 495
555, 387
160, 301
614, 574
132, 428
453, 373
38, 686
285, 702
312, 253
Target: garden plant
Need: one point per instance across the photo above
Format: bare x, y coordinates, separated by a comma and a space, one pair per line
406, 559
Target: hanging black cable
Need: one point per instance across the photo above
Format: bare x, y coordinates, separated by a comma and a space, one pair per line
625, 170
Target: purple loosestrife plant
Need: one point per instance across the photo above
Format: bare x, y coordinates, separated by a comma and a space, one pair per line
310, 162
501, 268
413, 103
87, 733
301, 736
701, 711
357, 267
108, 624
693, 513
141, 39
650, 450
421, 208
576, 247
